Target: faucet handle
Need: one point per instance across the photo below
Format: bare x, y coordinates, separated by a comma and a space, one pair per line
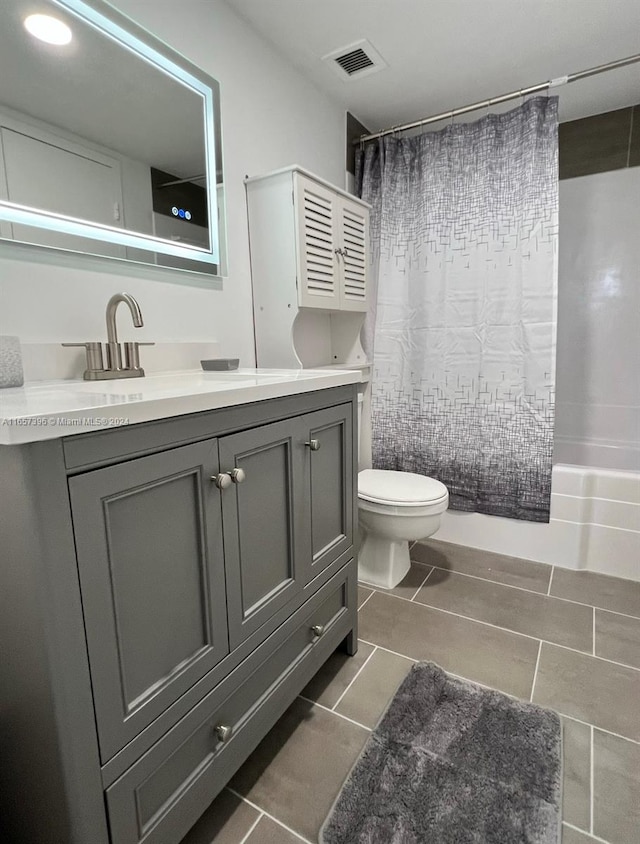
132, 355
94, 356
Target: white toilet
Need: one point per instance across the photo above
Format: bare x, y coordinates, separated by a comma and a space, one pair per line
395, 508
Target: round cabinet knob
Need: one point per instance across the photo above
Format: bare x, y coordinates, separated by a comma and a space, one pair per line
222, 481
317, 630
237, 475
314, 445
224, 733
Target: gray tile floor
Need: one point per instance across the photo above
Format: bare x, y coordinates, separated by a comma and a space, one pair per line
567, 640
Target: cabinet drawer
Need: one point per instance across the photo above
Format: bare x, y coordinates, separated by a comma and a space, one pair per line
162, 795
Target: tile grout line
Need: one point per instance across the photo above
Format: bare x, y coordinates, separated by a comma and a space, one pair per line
515, 697
389, 651
337, 714
267, 814
365, 600
600, 729
591, 785
512, 632
253, 826
535, 672
550, 582
593, 632
431, 571
584, 832
450, 673
359, 671
530, 591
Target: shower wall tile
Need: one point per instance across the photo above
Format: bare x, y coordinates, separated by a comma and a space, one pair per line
595, 144
634, 151
598, 303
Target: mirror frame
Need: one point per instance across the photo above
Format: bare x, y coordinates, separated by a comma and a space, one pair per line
128, 34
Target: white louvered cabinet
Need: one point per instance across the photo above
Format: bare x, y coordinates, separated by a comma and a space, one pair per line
332, 244
309, 254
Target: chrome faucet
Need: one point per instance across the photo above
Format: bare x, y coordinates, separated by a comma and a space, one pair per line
96, 371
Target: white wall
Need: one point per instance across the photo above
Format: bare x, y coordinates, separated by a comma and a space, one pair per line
271, 117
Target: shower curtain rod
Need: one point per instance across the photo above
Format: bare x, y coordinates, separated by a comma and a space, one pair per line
522, 92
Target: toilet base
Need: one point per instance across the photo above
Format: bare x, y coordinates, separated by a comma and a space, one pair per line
383, 562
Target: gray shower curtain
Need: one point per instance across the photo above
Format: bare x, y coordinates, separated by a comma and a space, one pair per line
462, 334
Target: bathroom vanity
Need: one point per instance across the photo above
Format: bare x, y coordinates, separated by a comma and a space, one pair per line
168, 587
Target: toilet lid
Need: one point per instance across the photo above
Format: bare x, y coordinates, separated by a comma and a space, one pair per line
383, 486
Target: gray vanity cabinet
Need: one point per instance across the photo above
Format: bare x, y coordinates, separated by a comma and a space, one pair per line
161, 610
150, 558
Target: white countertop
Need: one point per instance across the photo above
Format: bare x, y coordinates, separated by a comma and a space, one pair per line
44, 410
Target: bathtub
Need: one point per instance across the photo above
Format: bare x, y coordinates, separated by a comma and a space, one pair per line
594, 525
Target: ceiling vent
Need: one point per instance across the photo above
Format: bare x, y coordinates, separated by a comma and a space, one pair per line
355, 60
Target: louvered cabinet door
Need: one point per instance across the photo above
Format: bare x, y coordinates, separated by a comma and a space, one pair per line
318, 281
353, 222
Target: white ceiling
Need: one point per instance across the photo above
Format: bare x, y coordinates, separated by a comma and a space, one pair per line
444, 54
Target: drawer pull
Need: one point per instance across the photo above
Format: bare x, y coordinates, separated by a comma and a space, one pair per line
237, 475
222, 481
224, 733
317, 630
314, 445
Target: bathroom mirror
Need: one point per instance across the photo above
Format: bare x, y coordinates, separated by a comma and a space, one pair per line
110, 141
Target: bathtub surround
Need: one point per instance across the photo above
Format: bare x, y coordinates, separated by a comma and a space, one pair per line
464, 230
451, 760
594, 525
595, 492
598, 388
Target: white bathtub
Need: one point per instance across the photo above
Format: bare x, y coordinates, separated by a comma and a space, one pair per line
595, 524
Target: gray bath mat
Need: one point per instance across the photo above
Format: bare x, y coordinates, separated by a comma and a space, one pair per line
453, 763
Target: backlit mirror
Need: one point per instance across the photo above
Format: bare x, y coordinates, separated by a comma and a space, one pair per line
110, 141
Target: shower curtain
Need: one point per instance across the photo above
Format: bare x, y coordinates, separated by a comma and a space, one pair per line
462, 334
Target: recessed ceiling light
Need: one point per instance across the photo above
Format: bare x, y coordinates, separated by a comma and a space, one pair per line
48, 29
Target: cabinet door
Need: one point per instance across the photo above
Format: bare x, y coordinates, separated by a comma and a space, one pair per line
149, 545
328, 486
318, 282
353, 222
262, 537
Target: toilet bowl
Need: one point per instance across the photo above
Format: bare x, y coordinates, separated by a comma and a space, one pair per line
395, 508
